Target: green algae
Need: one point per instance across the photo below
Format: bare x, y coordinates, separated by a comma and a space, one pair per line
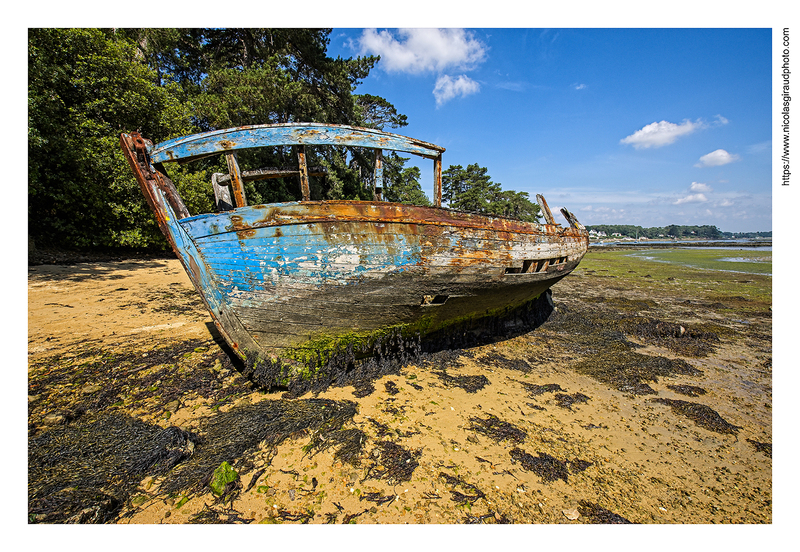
669, 279
223, 476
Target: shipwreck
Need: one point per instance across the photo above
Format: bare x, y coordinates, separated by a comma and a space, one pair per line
292, 286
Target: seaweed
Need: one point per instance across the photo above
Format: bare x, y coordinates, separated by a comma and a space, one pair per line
378, 498
497, 430
348, 442
500, 361
566, 401
688, 390
598, 514
96, 379
470, 384
393, 463
491, 516
383, 429
578, 465
254, 479
302, 517
766, 448
391, 388
700, 414
628, 370
458, 497
86, 471
679, 339
536, 390
544, 465
209, 515
229, 436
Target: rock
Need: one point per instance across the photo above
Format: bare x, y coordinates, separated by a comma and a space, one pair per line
53, 419
173, 406
571, 514
90, 388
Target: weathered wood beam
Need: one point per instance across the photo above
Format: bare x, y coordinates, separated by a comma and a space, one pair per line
237, 186
293, 134
437, 181
548, 216
377, 183
301, 161
273, 172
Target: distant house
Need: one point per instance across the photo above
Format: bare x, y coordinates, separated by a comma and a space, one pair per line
616, 235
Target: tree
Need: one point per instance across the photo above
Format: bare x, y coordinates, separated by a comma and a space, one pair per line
515, 205
469, 189
472, 190
401, 184
84, 88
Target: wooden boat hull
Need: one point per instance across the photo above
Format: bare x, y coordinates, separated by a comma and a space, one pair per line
299, 281
290, 286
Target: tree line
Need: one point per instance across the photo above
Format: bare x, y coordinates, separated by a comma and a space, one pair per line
86, 86
673, 231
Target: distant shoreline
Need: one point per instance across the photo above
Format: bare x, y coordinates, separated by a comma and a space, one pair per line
682, 243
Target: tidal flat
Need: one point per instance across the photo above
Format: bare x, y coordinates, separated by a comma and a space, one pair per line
646, 397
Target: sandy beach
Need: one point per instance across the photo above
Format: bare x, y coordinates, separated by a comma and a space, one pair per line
645, 398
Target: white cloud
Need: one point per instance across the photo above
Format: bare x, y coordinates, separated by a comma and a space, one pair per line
760, 147
579, 86
423, 50
721, 121
700, 187
660, 134
726, 203
691, 198
448, 88
716, 158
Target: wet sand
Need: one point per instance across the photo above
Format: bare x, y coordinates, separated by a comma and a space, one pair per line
559, 426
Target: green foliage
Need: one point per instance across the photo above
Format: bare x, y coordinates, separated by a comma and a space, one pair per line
672, 231
85, 87
472, 190
401, 185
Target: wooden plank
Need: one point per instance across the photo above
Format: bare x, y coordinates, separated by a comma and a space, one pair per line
295, 134
301, 161
237, 186
548, 216
273, 172
437, 181
222, 193
377, 183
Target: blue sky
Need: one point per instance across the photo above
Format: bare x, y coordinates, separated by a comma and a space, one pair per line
620, 126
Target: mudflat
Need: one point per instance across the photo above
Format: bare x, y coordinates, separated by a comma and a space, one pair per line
646, 397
